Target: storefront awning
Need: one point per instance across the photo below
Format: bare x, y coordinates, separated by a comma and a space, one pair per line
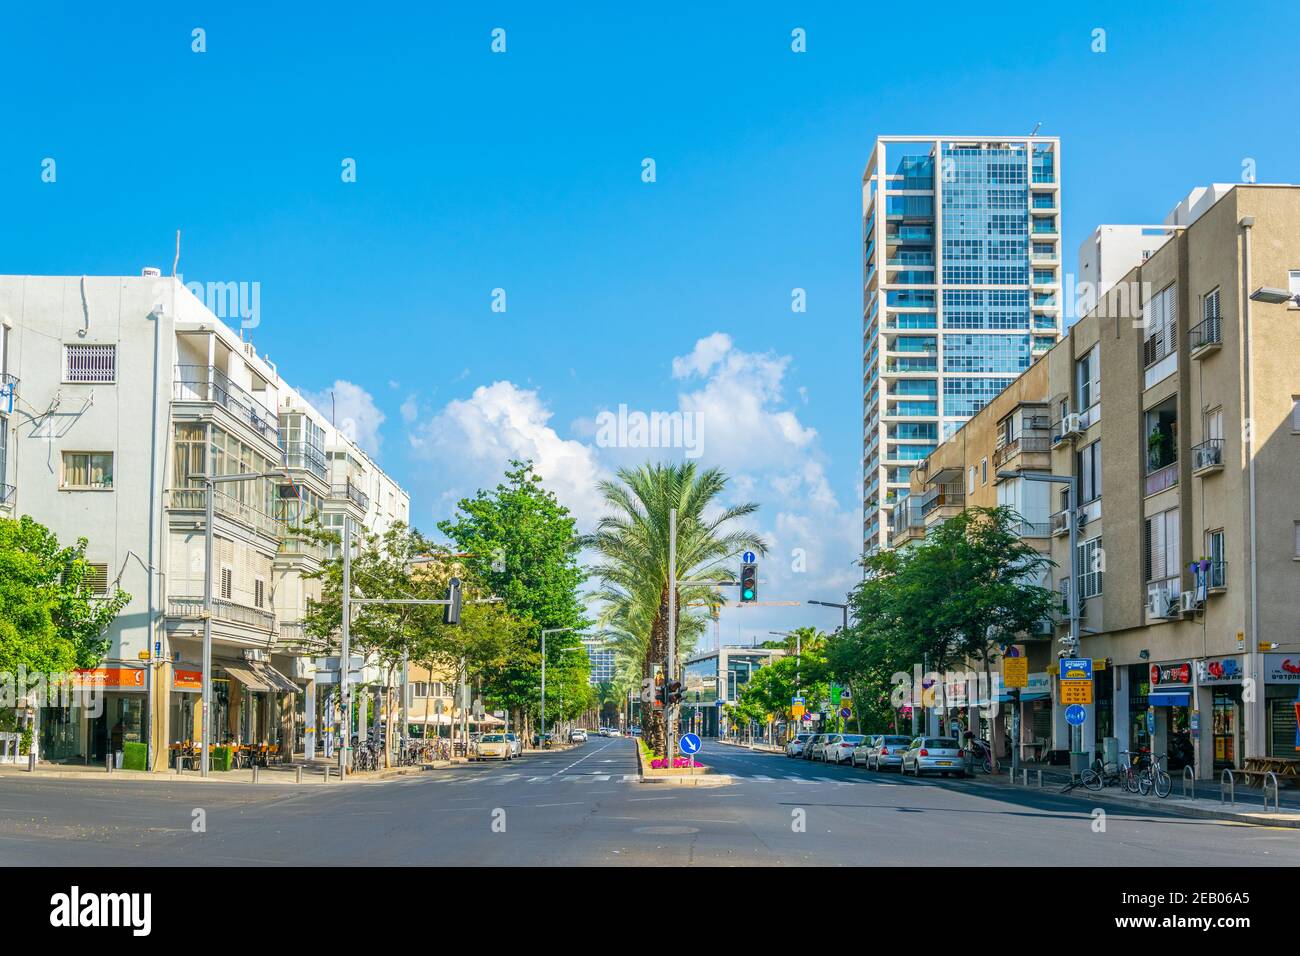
245, 675
279, 683
1169, 699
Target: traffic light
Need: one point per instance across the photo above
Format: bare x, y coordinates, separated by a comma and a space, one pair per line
451, 611
748, 582
674, 692
659, 691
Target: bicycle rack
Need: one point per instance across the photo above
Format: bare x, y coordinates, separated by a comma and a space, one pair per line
1277, 796
1232, 787
1189, 776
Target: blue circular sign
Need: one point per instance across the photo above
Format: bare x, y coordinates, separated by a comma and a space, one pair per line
1075, 715
690, 744
749, 557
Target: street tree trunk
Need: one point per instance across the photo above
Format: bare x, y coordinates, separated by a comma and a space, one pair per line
657, 654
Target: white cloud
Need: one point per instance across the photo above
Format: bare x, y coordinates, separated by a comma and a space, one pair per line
355, 413
474, 439
703, 357
410, 408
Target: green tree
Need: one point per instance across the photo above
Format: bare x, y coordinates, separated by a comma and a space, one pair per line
632, 542
520, 542
50, 622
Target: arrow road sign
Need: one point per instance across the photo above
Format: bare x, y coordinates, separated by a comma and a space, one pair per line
690, 744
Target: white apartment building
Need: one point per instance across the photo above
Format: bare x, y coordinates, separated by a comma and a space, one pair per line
124, 388
961, 292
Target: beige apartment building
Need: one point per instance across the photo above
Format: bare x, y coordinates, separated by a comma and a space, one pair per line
1188, 518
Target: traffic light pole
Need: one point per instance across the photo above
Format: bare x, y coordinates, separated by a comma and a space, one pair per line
669, 672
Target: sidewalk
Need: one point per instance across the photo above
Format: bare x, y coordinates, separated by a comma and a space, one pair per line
757, 745
313, 772
1248, 806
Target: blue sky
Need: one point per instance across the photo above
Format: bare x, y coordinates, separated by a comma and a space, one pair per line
522, 171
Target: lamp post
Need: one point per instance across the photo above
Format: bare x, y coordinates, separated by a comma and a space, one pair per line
845, 609
209, 483
1072, 518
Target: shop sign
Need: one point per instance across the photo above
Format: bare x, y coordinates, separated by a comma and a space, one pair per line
1282, 669
187, 680
1219, 670
115, 678
1180, 673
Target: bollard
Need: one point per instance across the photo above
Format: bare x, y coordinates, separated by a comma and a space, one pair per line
1040, 780
108, 761
1024, 777
327, 773
254, 773
31, 760
299, 780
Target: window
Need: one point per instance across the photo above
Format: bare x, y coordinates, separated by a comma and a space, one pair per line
1089, 465
420, 689
1214, 425
1293, 286
227, 583
984, 471
259, 593
1297, 540
970, 481
90, 364
1088, 379
1216, 577
1160, 317
87, 470
1160, 546
1090, 567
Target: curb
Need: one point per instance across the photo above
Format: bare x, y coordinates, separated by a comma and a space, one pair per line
706, 779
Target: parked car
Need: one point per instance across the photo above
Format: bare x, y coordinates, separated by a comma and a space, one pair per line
795, 747
615, 732
516, 745
813, 749
578, 736
604, 731
842, 750
886, 751
940, 755
636, 731
494, 747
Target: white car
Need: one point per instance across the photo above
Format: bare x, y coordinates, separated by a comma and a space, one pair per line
578, 736
842, 750
516, 745
494, 747
795, 747
613, 732
942, 755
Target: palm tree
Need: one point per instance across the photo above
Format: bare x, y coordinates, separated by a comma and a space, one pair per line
633, 544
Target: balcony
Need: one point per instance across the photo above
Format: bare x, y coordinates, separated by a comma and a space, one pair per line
194, 499
6, 493
191, 609
1033, 529
302, 547
1205, 338
906, 522
305, 457
350, 492
203, 383
942, 502
1207, 457
1025, 451
1161, 479
8, 387
1216, 577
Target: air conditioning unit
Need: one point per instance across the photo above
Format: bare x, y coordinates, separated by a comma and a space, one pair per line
1189, 603
151, 272
256, 654
1071, 425
1164, 605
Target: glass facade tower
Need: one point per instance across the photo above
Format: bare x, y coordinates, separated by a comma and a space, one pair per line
961, 292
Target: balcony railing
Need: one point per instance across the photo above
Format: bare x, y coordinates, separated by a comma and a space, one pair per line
1161, 478
1025, 444
6, 492
1207, 456
301, 545
351, 492
1208, 333
1216, 576
194, 499
942, 497
305, 457
1034, 529
191, 608
203, 383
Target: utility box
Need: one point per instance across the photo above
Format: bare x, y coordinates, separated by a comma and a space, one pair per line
1110, 751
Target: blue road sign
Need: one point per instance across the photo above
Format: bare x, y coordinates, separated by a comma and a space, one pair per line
1076, 668
690, 744
1075, 715
749, 557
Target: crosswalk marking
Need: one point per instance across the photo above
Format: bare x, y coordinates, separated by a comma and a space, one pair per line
505, 779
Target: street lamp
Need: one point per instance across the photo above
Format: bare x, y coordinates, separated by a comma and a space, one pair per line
210, 482
842, 607
1274, 296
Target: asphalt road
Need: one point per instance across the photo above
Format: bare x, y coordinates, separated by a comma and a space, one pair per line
585, 807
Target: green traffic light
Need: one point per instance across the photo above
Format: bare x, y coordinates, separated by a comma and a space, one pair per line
749, 595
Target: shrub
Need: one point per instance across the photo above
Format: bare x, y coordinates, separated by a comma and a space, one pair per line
134, 756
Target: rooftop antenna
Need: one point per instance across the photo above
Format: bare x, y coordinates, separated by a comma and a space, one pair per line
177, 261
1037, 127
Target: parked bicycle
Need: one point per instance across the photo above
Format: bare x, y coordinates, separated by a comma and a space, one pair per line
1153, 777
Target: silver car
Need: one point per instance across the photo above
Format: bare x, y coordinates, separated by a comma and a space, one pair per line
942, 755
885, 752
795, 747
861, 750
842, 750
516, 745
815, 749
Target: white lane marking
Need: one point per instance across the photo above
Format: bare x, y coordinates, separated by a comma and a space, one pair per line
826, 780
581, 759
630, 777
602, 777
762, 779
